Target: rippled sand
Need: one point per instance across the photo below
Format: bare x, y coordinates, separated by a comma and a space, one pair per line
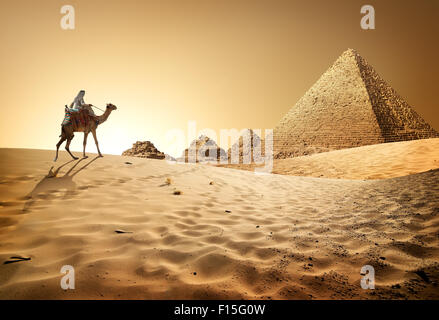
228, 234
378, 161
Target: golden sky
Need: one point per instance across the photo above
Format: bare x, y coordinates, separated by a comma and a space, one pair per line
222, 63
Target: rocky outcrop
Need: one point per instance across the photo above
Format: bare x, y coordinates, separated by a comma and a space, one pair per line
144, 149
203, 149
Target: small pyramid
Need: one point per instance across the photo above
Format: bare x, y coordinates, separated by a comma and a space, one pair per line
349, 106
144, 149
247, 146
203, 149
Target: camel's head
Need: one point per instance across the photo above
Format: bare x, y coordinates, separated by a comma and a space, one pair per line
111, 107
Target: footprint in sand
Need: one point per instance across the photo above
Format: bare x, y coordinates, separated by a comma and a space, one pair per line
16, 259
122, 231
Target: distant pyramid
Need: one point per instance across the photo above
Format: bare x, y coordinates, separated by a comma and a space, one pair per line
249, 146
349, 106
204, 149
144, 149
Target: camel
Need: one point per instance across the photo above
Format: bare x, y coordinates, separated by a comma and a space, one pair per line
89, 124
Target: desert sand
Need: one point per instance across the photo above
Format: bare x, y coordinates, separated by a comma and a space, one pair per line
378, 161
201, 232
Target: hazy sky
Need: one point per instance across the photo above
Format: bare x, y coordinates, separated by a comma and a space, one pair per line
224, 64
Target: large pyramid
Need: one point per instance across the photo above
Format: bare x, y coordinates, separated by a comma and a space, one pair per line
349, 106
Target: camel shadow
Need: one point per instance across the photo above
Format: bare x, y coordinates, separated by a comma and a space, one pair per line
51, 185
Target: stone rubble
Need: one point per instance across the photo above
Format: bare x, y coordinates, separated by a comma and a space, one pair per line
144, 149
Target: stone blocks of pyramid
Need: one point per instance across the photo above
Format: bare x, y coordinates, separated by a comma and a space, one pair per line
349, 106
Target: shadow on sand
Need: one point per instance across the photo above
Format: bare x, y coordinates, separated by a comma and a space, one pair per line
51, 184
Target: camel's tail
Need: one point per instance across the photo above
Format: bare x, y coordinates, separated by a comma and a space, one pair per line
66, 134
62, 132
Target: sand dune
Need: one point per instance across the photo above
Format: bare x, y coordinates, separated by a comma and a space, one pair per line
378, 161
228, 234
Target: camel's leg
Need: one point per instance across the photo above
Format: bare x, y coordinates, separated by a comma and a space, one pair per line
84, 144
96, 141
67, 147
63, 138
